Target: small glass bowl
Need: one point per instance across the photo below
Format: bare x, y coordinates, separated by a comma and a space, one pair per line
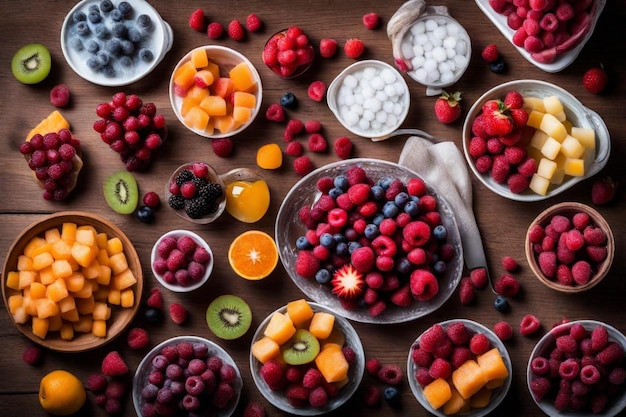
193, 285
498, 394
355, 374
285, 71
140, 379
213, 177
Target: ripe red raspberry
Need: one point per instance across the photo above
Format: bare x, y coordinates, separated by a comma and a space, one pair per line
32, 355
390, 374
178, 313
60, 95
372, 396
354, 48
515, 154
275, 113
457, 333
254, 409
509, 263
595, 80
500, 169
477, 147
513, 99
317, 90
507, 286
222, 147
402, 296
302, 165
317, 143
527, 167
343, 147
424, 285
312, 126
503, 330
253, 22
138, 338
328, 47
96, 383
483, 163
490, 53
113, 364
151, 199
466, 291
373, 365
432, 338
306, 264
294, 126
440, 368
540, 387
416, 233
197, 20
215, 30
479, 344
371, 20
363, 259
235, 30
294, 148
529, 325
271, 372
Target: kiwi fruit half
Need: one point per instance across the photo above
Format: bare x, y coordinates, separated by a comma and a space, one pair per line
302, 348
121, 192
31, 63
229, 317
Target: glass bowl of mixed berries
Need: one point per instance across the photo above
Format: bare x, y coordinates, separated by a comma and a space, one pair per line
577, 369
305, 359
187, 374
459, 366
288, 53
370, 240
529, 140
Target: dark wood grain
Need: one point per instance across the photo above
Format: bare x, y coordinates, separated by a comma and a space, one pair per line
502, 222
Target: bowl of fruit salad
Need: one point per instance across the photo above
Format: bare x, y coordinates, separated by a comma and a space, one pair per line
181, 261
529, 140
334, 233
590, 378
187, 374
459, 367
114, 43
587, 252
305, 359
215, 91
72, 281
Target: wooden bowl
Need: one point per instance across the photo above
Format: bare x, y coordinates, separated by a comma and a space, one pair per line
600, 269
120, 317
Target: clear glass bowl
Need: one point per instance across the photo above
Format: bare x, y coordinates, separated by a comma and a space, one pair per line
498, 394
299, 70
289, 227
355, 374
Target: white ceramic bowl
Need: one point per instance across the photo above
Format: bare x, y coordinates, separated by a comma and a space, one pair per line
547, 343
159, 39
346, 100
498, 394
562, 61
289, 227
140, 379
226, 58
193, 285
355, 373
576, 113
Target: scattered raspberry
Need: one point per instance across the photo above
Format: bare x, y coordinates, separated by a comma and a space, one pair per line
466, 291
312, 126
294, 126
317, 90
373, 365
294, 148
317, 143
116, 389
222, 147
151, 199
138, 338
371, 20
602, 191
113, 407
275, 113
32, 355
197, 20
479, 277
302, 165
595, 80
354, 48
507, 286
235, 30
254, 409
178, 313
113, 364
529, 325
60, 95
372, 396
328, 48
503, 330
343, 147
509, 263
155, 300
490, 53
253, 22
215, 30
96, 383
390, 374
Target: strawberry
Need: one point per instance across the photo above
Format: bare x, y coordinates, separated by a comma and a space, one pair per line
197, 21
497, 121
328, 47
347, 282
354, 48
490, 53
595, 80
178, 313
371, 20
235, 30
447, 107
603, 191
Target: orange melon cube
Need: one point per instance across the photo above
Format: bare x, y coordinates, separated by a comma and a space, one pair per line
99, 328
210, 127
118, 262
199, 58
492, 365
495, 383
242, 77
187, 105
101, 240
213, 68
101, 311
67, 331
55, 323
75, 282
25, 263
61, 269
243, 99
322, 324
213, 105
242, 114
40, 327
196, 118
223, 87
26, 278
280, 328
114, 297
83, 254
45, 248
86, 236
332, 363
46, 275
61, 249
225, 124
468, 378
30, 305
101, 293
53, 123
68, 232
52, 235
85, 305
195, 94
183, 76
455, 404
103, 257
70, 315
123, 280
87, 290
42, 260
14, 301
114, 246
83, 324
46, 308
299, 311
104, 277
37, 290
20, 316
66, 304
203, 78
33, 244
481, 398
437, 393
92, 271
13, 280
265, 349
127, 298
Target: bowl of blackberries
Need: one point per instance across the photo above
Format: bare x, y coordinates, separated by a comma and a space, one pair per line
196, 193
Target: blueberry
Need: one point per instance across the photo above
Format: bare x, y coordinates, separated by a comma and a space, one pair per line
323, 276
341, 248
335, 192
289, 100
404, 266
93, 9
411, 208
145, 214
392, 396
153, 315
127, 47
401, 199
339, 238
126, 62
371, 231
498, 66
113, 46
378, 219
116, 15
79, 16
440, 267
125, 8
385, 182
101, 31
77, 44
303, 243
146, 55
102, 57
82, 28
93, 64
327, 240
390, 209
440, 232
377, 192
352, 246
92, 46
133, 35
119, 30
94, 17
501, 304
144, 22
106, 6
341, 181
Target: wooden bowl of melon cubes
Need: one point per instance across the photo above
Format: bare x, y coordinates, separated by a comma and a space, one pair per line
215, 91
72, 281
561, 143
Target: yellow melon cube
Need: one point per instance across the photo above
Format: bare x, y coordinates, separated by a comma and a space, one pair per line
538, 139
539, 184
127, 298
30, 305
25, 263
87, 290
86, 236
586, 136
13, 280
199, 58
196, 118
551, 148
75, 282
242, 114
558, 177
61, 269
85, 305
83, 324
183, 76
195, 94
101, 240
280, 328
68, 232
265, 349
242, 77
123, 280
437, 393
26, 278
37, 290
83, 254
571, 147
103, 257
61, 249
57, 290
45, 248
495, 383
104, 277
322, 324
299, 311
20, 316
213, 106
15, 301
67, 331
42, 260
118, 262
533, 103
534, 119
225, 124
213, 68
101, 311
553, 105
99, 328
546, 168
574, 167
481, 399
553, 127
33, 244
92, 271
46, 308
66, 304
223, 87
52, 235
114, 246
40, 327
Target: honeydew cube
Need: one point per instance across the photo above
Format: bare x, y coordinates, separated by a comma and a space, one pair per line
42, 260
25, 263
538, 139
52, 235
534, 119
553, 104
67, 304
127, 298
61, 269
68, 232
574, 167
104, 277
562, 117
553, 127
26, 278
558, 177
46, 308
534, 103
114, 246
13, 280
551, 148
67, 331
57, 290
586, 137
571, 147
196, 118
99, 328
568, 126
539, 184
84, 324
546, 168
40, 327
118, 263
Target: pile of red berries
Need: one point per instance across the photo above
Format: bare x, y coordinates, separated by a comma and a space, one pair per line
131, 128
288, 53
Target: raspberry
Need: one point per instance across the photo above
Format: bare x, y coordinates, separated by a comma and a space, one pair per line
60, 95
479, 277
507, 286
317, 90
32, 355
460, 355
294, 126
432, 338
138, 338
354, 48
500, 169
215, 30
113, 407
343, 147
503, 330
318, 397
424, 285
599, 337
529, 325
113, 364
466, 291
509, 263
298, 392
373, 365
275, 113
423, 377
527, 167
566, 343
416, 233
312, 126
294, 148
547, 263
515, 154
540, 387
328, 47
372, 396
457, 333
197, 20
151, 199
477, 147
115, 389
302, 165
178, 313
377, 308
306, 264
390, 374
490, 53
371, 20
479, 344
222, 395
363, 259
253, 22
96, 383
312, 378
235, 30
222, 147
440, 368
594, 236
317, 143
484, 163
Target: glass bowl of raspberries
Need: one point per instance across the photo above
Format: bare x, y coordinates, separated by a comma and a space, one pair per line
577, 369
196, 192
334, 233
187, 374
570, 247
181, 261
289, 53
459, 366
305, 359
529, 140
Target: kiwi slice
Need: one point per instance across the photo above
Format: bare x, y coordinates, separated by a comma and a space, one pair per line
31, 63
229, 317
302, 348
121, 192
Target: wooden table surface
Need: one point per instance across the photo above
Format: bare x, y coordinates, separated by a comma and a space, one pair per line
502, 222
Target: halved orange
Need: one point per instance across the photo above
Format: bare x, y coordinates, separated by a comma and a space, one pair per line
253, 255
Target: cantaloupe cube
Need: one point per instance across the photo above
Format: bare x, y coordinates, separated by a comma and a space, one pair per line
546, 168
92, 271
183, 76
68, 232
123, 280
101, 311
332, 363
534, 119
199, 58
55, 323
83, 254
195, 94
242, 77
204, 78
83, 324
437, 393
539, 184
53, 123
586, 136
26, 278
66, 304
118, 262
104, 277
103, 257
265, 349
571, 147
495, 383
213, 68
455, 404
20, 316
322, 324
196, 118
101, 294
67, 331
75, 282
533, 103
299, 311
468, 378
551, 148
45, 248
42, 260
99, 328
213, 106
61, 249
114, 246
127, 298
481, 399
70, 315
553, 127
225, 124
46, 308
33, 244
37, 290
13, 280
114, 297
86, 236
552, 104
280, 328
101, 240
242, 114
574, 167
61, 269
25, 263
187, 105
492, 364
243, 99
52, 235
14, 301
223, 87
40, 327
88, 289
85, 305
29, 304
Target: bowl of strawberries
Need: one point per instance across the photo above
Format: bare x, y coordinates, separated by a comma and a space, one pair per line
529, 140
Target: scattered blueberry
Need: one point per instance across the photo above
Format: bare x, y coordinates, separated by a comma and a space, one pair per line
390, 209
385, 182
501, 304
133, 35
145, 214
392, 396
77, 44
153, 315
378, 219
116, 15
498, 66
94, 17
119, 30
289, 100
340, 237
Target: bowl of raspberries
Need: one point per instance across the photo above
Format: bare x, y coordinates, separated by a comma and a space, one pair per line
459, 367
529, 140
570, 247
370, 240
577, 369
187, 374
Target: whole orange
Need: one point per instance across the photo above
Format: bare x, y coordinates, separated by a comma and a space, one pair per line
61, 393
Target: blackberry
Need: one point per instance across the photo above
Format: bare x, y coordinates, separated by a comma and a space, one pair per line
176, 201
197, 207
184, 176
200, 182
211, 191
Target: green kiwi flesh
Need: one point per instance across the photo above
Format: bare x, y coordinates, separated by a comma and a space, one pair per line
302, 348
229, 317
31, 63
121, 192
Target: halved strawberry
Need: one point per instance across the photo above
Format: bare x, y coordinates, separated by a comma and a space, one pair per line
348, 283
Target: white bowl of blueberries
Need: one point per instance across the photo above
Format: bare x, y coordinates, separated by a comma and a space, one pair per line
114, 43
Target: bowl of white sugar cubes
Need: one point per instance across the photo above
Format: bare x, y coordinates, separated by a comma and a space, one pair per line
370, 98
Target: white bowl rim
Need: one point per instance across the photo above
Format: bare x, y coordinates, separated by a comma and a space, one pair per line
590, 117
198, 239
